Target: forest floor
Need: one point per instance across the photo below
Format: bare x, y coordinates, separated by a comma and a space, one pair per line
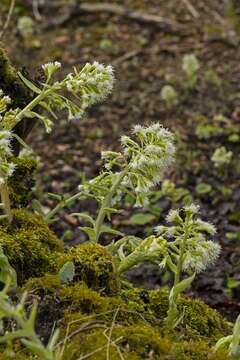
146, 56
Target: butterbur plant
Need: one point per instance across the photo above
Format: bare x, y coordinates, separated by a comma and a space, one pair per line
190, 66
86, 86
169, 95
189, 252
140, 166
182, 246
221, 157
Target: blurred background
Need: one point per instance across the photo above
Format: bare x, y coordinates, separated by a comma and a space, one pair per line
176, 62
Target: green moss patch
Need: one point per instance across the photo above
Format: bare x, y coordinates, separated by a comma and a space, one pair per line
94, 265
30, 245
22, 181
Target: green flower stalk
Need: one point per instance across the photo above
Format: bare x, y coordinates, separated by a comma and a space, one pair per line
142, 162
189, 251
87, 86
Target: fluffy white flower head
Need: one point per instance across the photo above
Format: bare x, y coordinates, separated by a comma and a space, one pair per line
50, 68
92, 84
149, 153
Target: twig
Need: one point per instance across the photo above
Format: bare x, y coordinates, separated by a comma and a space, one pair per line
99, 349
35, 9
86, 326
9, 15
191, 8
110, 334
126, 56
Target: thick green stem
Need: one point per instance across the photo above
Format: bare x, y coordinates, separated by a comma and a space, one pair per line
32, 105
62, 205
106, 204
173, 311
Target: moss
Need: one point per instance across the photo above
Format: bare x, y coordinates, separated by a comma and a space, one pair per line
136, 318
199, 319
17, 356
48, 284
93, 265
22, 181
78, 301
30, 246
195, 350
134, 343
81, 298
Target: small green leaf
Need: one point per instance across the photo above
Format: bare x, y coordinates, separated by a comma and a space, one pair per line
67, 272
89, 231
203, 188
29, 84
37, 207
55, 196
108, 230
180, 287
142, 219
85, 217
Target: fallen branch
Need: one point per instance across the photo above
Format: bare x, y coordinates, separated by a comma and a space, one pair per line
166, 25
126, 57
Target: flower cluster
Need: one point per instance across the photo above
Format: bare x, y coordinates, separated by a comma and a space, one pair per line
88, 86
92, 84
148, 156
6, 167
4, 102
199, 252
51, 68
142, 161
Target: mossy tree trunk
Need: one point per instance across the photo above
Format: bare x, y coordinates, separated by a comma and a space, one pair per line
13, 87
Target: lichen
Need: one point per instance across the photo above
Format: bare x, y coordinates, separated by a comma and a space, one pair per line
30, 245
94, 265
22, 181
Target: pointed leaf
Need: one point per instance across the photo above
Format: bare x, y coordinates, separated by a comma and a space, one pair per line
141, 219
67, 272
85, 216
108, 230
89, 231
29, 84
180, 287
37, 207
